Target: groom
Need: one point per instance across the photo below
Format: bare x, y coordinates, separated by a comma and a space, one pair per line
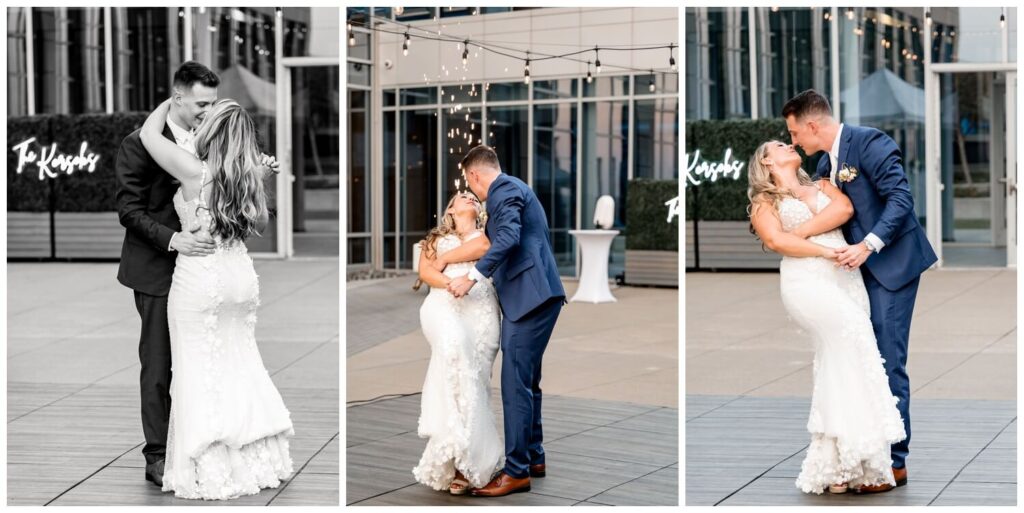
530, 292
886, 240
152, 239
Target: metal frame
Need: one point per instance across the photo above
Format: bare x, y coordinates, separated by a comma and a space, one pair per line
438, 107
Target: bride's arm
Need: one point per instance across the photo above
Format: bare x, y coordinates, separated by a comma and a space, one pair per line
769, 228
179, 163
466, 252
837, 213
430, 275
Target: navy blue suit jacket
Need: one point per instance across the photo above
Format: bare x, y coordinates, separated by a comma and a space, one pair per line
882, 205
520, 260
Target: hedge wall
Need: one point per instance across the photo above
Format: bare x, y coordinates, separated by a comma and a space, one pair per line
726, 200
646, 211
82, 191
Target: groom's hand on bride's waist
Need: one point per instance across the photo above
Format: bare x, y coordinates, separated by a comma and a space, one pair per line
192, 244
853, 256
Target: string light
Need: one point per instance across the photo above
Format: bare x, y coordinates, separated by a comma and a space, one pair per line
928, 16
672, 58
590, 78
405, 44
279, 12
526, 72
398, 11
465, 52
650, 83
597, 63
351, 38
1002, 19
849, 13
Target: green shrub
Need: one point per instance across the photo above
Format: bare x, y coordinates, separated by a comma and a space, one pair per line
81, 191
726, 200
647, 214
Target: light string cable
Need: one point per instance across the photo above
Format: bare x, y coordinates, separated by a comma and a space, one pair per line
528, 55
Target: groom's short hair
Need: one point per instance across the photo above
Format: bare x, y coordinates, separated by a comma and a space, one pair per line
480, 155
809, 102
192, 72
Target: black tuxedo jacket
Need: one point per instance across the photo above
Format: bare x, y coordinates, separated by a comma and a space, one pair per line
145, 206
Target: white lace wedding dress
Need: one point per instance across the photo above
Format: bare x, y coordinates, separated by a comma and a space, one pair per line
455, 414
853, 418
229, 428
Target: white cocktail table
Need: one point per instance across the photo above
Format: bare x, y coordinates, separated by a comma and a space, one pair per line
594, 248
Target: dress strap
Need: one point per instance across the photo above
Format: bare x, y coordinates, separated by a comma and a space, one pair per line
202, 183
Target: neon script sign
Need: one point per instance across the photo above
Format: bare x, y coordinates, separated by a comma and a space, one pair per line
673, 208
50, 163
699, 170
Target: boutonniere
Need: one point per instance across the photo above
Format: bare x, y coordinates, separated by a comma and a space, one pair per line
483, 217
847, 173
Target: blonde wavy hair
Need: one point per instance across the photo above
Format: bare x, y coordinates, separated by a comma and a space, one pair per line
761, 189
227, 141
447, 226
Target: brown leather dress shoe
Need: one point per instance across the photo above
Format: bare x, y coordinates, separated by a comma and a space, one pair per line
502, 484
538, 470
899, 474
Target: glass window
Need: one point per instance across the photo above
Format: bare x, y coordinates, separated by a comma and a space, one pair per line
607, 86
508, 134
308, 31
656, 143
658, 83
17, 65
971, 34
358, 73
462, 93
389, 98
793, 47
416, 13
717, 63
69, 60
142, 79
605, 139
419, 96
236, 38
360, 50
417, 167
554, 176
461, 131
553, 89
390, 182
358, 162
507, 91
451, 12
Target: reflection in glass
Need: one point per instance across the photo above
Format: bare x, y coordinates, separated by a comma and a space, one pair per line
17, 64
69, 60
390, 181
717, 63
605, 168
314, 158
508, 134
147, 50
461, 131
358, 171
417, 167
661, 83
793, 47
606, 86
554, 176
311, 31
656, 143
507, 91
553, 89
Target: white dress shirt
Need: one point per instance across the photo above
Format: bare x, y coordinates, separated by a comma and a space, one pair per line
833, 156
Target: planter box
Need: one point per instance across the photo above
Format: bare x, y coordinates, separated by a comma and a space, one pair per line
727, 245
652, 267
28, 235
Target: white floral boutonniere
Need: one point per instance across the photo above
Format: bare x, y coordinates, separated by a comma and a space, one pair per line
847, 173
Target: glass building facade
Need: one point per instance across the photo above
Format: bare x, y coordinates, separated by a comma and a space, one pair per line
571, 140
875, 64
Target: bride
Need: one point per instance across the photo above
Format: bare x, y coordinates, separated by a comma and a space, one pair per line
229, 428
463, 449
853, 418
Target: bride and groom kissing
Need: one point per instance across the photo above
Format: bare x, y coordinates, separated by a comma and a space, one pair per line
853, 253
493, 282
190, 192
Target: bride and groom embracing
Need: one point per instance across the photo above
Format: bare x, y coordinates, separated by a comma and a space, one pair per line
853, 253
190, 192
493, 281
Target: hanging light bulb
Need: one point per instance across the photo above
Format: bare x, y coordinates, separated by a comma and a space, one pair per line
927, 16
650, 84
672, 58
405, 44
597, 57
465, 52
398, 11
1002, 19
277, 10
849, 13
590, 78
351, 38
526, 72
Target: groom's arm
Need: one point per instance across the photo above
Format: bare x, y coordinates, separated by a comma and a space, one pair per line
885, 167
133, 190
509, 213
836, 214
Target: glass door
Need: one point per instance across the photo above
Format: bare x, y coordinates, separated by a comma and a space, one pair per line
977, 192
313, 117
